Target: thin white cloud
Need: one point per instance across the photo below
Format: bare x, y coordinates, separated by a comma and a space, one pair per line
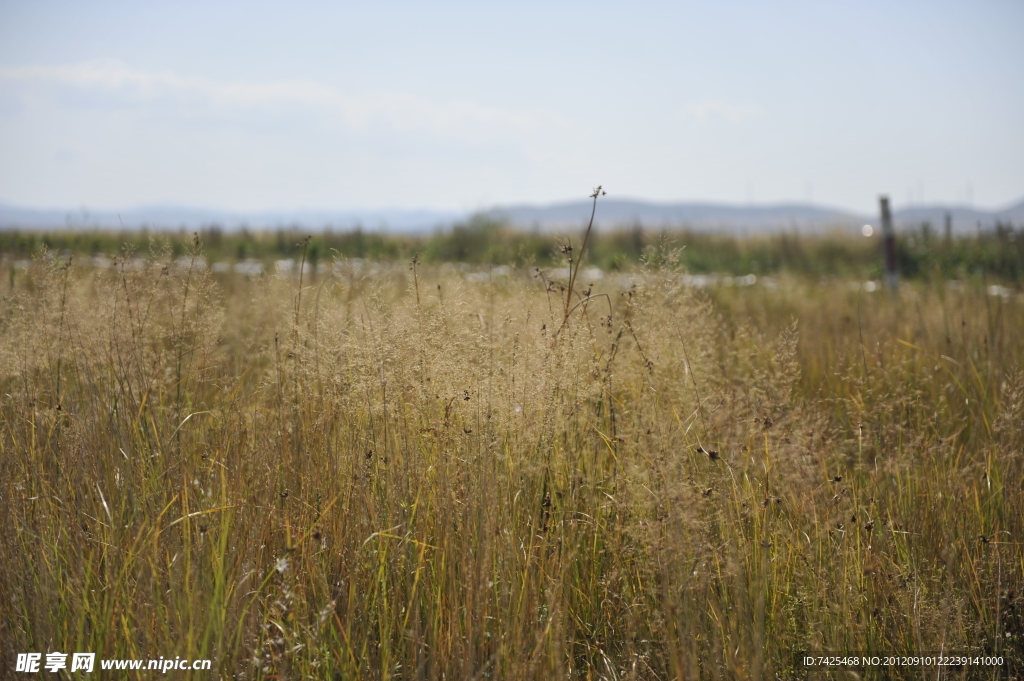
401, 111
709, 109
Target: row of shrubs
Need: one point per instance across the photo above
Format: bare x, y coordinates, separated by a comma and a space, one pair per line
997, 253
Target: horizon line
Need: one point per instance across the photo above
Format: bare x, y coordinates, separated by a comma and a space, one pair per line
241, 212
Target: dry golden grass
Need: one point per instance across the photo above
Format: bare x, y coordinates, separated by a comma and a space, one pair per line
338, 481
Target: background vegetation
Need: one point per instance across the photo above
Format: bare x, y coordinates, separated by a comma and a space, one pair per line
403, 471
922, 253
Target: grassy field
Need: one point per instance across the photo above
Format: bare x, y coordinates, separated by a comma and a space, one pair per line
396, 471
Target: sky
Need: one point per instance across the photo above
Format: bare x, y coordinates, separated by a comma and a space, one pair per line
466, 105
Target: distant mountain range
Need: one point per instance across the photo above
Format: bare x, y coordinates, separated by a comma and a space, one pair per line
184, 217
745, 219
729, 218
702, 216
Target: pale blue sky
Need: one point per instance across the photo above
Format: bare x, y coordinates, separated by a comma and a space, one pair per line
463, 105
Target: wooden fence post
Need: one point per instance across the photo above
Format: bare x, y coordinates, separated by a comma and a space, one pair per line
892, 278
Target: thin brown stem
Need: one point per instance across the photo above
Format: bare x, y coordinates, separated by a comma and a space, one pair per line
573, 271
